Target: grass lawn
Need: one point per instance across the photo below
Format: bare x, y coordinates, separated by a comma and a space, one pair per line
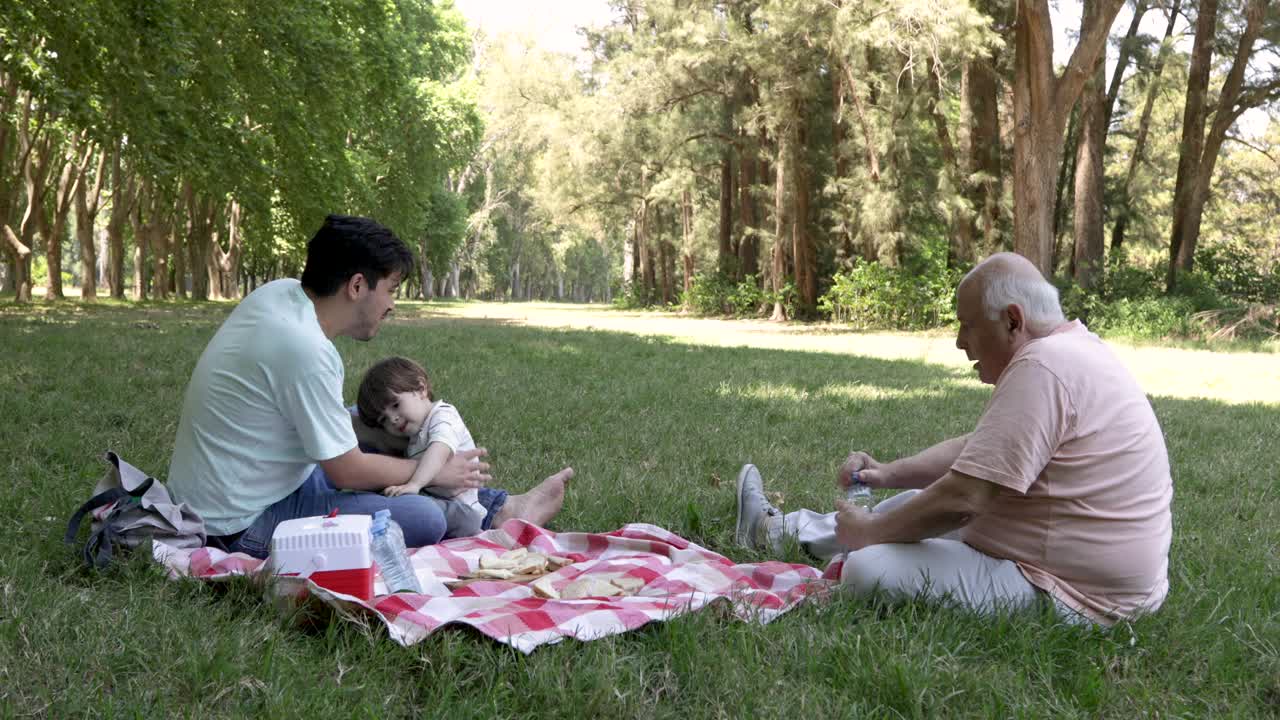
656, 423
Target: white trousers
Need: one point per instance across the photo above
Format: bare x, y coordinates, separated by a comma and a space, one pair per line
942, 569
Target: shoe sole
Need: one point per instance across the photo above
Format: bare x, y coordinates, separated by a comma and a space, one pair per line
742, 535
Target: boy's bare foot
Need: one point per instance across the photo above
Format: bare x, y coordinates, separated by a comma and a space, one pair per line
539, 504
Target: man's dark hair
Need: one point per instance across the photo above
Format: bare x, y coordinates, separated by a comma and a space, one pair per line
387, 377
345, 246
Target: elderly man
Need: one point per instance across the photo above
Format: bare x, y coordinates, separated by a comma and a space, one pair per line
1062, 490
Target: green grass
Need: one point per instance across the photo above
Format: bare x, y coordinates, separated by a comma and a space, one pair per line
656, 430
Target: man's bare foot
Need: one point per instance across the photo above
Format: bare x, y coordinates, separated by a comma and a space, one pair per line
540, 504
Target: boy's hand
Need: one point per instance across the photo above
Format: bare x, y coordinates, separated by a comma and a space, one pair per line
405, 489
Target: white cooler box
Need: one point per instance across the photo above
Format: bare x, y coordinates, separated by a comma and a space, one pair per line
333, 552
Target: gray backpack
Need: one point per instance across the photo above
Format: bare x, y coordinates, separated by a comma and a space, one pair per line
129, 508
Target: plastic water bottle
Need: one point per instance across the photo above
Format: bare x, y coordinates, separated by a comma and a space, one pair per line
859, 493
389, 552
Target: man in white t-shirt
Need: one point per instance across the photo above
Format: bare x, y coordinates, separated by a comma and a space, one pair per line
1061, 491
264, 434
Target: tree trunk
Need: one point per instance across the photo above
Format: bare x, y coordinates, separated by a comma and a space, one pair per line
726, 212
67, 180
840, 162
452, 289
1042, 102
1193, 121
162, 245
88, 202
1123, 209
1087, 228
1122, 60
985, 184
1188, 213
428, 281
21, 266
88, 249
631, 250
141, 240
960, 247
30, 145
224, 265
1065, 191
782, 222
686, 239
123, 196
648, 273
70, 168
749, 244
802, 245
669, 263
200, 239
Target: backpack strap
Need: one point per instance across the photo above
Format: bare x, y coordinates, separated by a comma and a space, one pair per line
99, 549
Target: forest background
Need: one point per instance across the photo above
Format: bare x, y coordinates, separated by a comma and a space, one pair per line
783, 158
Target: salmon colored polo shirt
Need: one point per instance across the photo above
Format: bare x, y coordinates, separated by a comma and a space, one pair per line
1085, 490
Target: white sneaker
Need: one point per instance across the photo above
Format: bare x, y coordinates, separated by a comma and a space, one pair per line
757, 519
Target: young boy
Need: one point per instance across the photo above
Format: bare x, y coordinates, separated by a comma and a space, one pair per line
395, 396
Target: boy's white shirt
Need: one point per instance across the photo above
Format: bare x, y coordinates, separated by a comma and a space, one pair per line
444, 425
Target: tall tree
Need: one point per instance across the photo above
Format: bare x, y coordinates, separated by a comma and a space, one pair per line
1042, 103
1087, 226
1200, 151
1122, 206
88, 198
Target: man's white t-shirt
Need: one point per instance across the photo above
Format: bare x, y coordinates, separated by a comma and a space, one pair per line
263, 407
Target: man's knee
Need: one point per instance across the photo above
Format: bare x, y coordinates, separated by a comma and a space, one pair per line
419, 517
871, 568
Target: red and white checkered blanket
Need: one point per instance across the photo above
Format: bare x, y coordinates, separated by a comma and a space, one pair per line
679, 577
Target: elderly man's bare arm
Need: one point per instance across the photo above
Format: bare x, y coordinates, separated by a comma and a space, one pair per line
946, 505
914, 472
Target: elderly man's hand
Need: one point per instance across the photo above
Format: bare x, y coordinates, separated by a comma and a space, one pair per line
861, 467
853, 526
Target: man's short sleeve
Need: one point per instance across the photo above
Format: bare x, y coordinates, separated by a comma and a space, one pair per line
313, 404
1025, 422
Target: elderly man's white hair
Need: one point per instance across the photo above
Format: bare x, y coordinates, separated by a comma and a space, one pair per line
1010, 279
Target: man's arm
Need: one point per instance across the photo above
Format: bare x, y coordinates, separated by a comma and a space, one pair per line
925, 467
357, 470
916, 471
945, 505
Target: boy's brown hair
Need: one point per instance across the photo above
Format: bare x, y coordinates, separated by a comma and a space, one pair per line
393, 375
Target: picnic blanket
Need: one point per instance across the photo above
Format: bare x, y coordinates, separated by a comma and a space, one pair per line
679, 577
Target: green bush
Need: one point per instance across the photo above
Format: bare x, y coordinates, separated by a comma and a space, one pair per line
1147, 318
872, 296
1130, 300
1235, 272
718, 294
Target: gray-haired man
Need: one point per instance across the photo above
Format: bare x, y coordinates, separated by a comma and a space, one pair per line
1062, 490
